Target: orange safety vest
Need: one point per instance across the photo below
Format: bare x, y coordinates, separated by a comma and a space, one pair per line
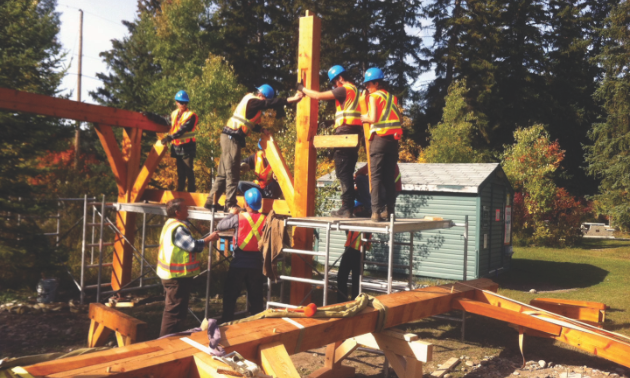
176, 124
354, 241
239, 119
388, 116
250, 229
174, 262
348, 114
263, 174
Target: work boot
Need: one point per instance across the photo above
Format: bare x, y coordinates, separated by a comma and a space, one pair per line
384, 215
376, 217
210, 206
343, 212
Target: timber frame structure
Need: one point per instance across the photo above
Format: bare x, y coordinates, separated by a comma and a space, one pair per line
269, 342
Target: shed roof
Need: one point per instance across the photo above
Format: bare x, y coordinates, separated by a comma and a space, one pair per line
459, 178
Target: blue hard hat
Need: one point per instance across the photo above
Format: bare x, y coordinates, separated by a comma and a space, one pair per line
357, 203
335, 71
373, 73
182, 96
259, 146
253, 198
267, 91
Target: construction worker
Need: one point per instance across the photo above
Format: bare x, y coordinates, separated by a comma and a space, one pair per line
347, 121
385, 132
362, 182
246, 117
351, 261
182, 136
265, 181
247, 262
178, 264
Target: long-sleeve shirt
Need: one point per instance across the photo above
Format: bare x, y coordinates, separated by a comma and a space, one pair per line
240, 258
184, 240
254, 106
190, 148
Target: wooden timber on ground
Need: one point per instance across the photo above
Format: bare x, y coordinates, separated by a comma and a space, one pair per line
173, 357
582, 312
104, 320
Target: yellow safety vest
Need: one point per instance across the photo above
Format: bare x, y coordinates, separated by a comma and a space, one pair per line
348, 114
176, 124
239, 119
388, 115
174, 262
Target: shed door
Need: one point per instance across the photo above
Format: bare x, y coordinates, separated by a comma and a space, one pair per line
497, 228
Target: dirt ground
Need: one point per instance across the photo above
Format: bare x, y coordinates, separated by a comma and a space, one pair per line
490, 349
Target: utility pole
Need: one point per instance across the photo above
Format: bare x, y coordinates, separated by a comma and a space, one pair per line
77, 135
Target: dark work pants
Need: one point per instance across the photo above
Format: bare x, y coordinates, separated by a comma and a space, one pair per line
253, 279
350, 262
177, 293
185, 171
383, 160
272, 190
345, 161
229, 172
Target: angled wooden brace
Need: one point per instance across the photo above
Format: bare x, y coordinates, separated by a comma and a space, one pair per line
276, 362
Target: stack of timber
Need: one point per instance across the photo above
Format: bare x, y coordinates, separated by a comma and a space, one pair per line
173, 357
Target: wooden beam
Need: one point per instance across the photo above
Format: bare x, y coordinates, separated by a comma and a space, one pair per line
447, 366
122, 259
114, 156
505, 315
305, 154
247, 337
279, 167
131, 151
18, 101
148, 169
335, 353
125, 325
336, 141
276, 361
571, 311
98, 334
345, 349
596, 305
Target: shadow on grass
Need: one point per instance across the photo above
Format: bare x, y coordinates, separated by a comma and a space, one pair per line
542, 275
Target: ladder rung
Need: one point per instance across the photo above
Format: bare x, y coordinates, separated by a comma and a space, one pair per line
95, 286
96, 265
109, 244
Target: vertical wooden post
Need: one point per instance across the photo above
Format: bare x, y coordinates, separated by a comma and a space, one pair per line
305, 154
363, 106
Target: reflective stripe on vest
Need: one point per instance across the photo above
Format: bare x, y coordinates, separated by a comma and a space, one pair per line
354, 240
388, 120
249, 232
348, 114
174, 262
263, 174
176, 124
239, 119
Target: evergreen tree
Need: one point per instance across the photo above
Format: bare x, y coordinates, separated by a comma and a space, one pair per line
609, 156
30, 60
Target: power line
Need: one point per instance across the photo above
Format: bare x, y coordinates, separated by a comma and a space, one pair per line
95, 15
83, 75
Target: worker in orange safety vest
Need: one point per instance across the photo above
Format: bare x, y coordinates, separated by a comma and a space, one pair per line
265, 180
246, 118
385, 131
347, 121
362, 182
182, 136
351, 262
247, 262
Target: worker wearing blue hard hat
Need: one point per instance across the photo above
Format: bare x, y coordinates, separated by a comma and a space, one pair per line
182, 137
265, 180
246, 118
385, 131
347, 121
247, 261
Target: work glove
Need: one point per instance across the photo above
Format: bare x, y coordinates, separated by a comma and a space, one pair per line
299, 86
167, 139
244, 167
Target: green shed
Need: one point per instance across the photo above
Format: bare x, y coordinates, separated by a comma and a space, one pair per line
450, 191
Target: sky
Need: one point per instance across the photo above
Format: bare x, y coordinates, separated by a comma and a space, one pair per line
101, 24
